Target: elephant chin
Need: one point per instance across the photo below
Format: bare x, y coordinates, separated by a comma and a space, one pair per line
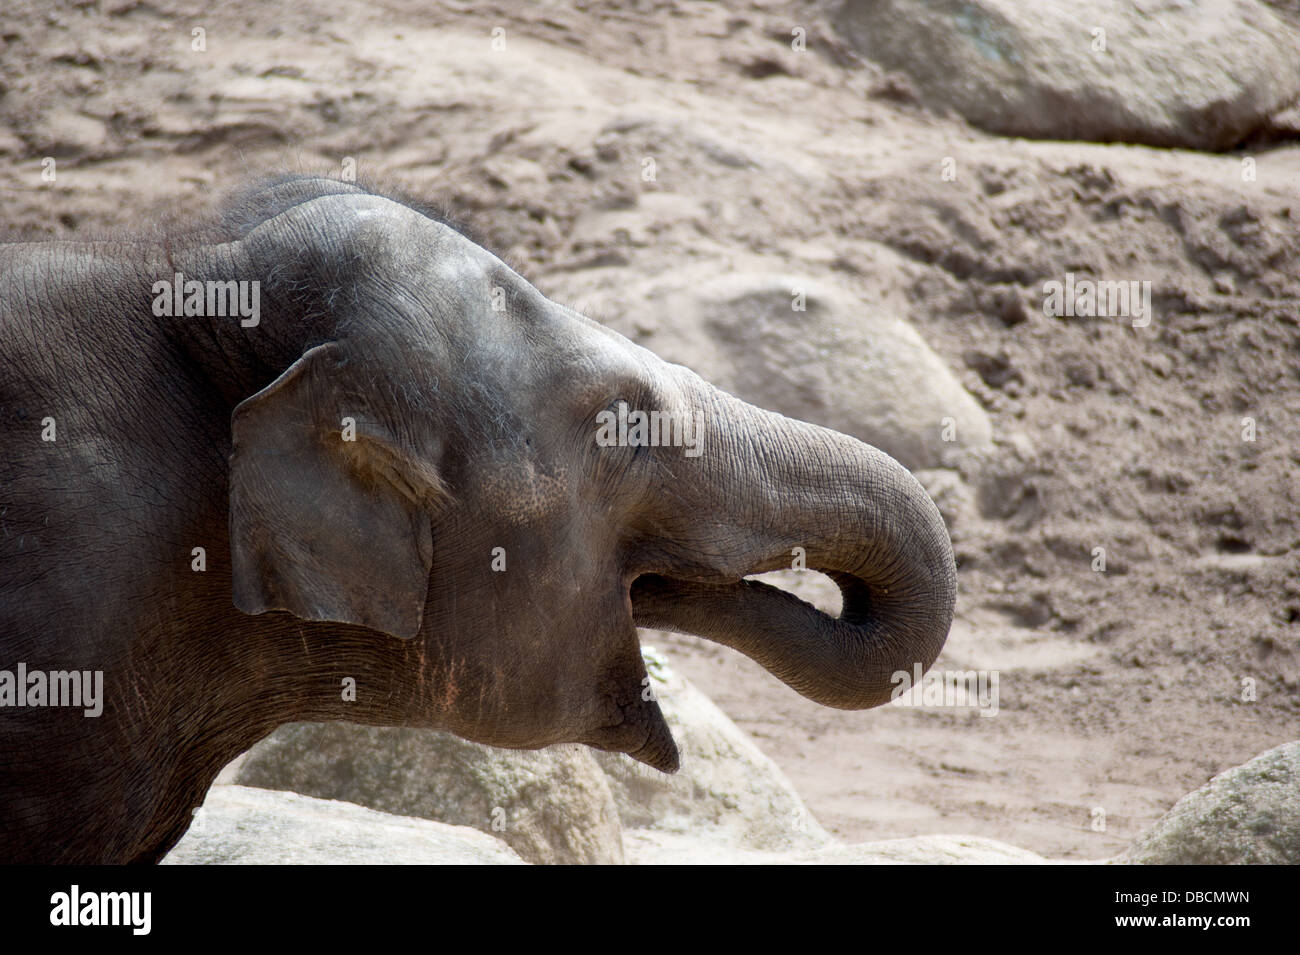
659, 751
640, 731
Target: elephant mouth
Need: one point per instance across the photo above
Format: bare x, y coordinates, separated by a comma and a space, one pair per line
850, 661
716, 606
663, 602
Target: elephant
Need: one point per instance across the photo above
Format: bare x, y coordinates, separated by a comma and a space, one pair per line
322, 456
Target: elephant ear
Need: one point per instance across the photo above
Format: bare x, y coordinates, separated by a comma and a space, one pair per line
326, 528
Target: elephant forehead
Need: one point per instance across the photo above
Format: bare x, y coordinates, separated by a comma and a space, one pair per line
520, 493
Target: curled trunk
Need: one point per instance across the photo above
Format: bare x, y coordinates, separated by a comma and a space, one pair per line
863, 520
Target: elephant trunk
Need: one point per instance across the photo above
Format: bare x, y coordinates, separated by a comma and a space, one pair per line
861, 518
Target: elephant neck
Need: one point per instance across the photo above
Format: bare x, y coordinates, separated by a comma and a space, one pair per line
278, 670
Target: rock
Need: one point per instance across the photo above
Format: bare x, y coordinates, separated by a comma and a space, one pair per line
996, 370
655, 848
239, 826
726, 792
1198, 75
1287, 9
807, 348
954, 498
244, 826
1248, 815
550, 806
925, 850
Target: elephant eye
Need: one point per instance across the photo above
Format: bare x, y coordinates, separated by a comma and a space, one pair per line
611, 413
619, 407
611, 423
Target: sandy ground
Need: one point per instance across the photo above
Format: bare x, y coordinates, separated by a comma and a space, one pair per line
1119, 691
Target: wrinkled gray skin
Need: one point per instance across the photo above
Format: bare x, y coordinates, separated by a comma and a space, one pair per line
372, 559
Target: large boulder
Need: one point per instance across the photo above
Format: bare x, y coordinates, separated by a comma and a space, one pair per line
657, 848
807, 347
243, 826
1247, 815
238, 826
1199, 75
727, 793
550, 806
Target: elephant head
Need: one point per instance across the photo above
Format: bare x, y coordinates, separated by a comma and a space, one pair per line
501, 490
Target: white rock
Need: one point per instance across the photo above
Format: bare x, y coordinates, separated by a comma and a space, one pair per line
551, 805
1248, 815
240, 826
806, 347
1199, 75
645, 847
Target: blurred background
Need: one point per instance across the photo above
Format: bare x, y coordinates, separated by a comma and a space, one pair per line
849, 212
